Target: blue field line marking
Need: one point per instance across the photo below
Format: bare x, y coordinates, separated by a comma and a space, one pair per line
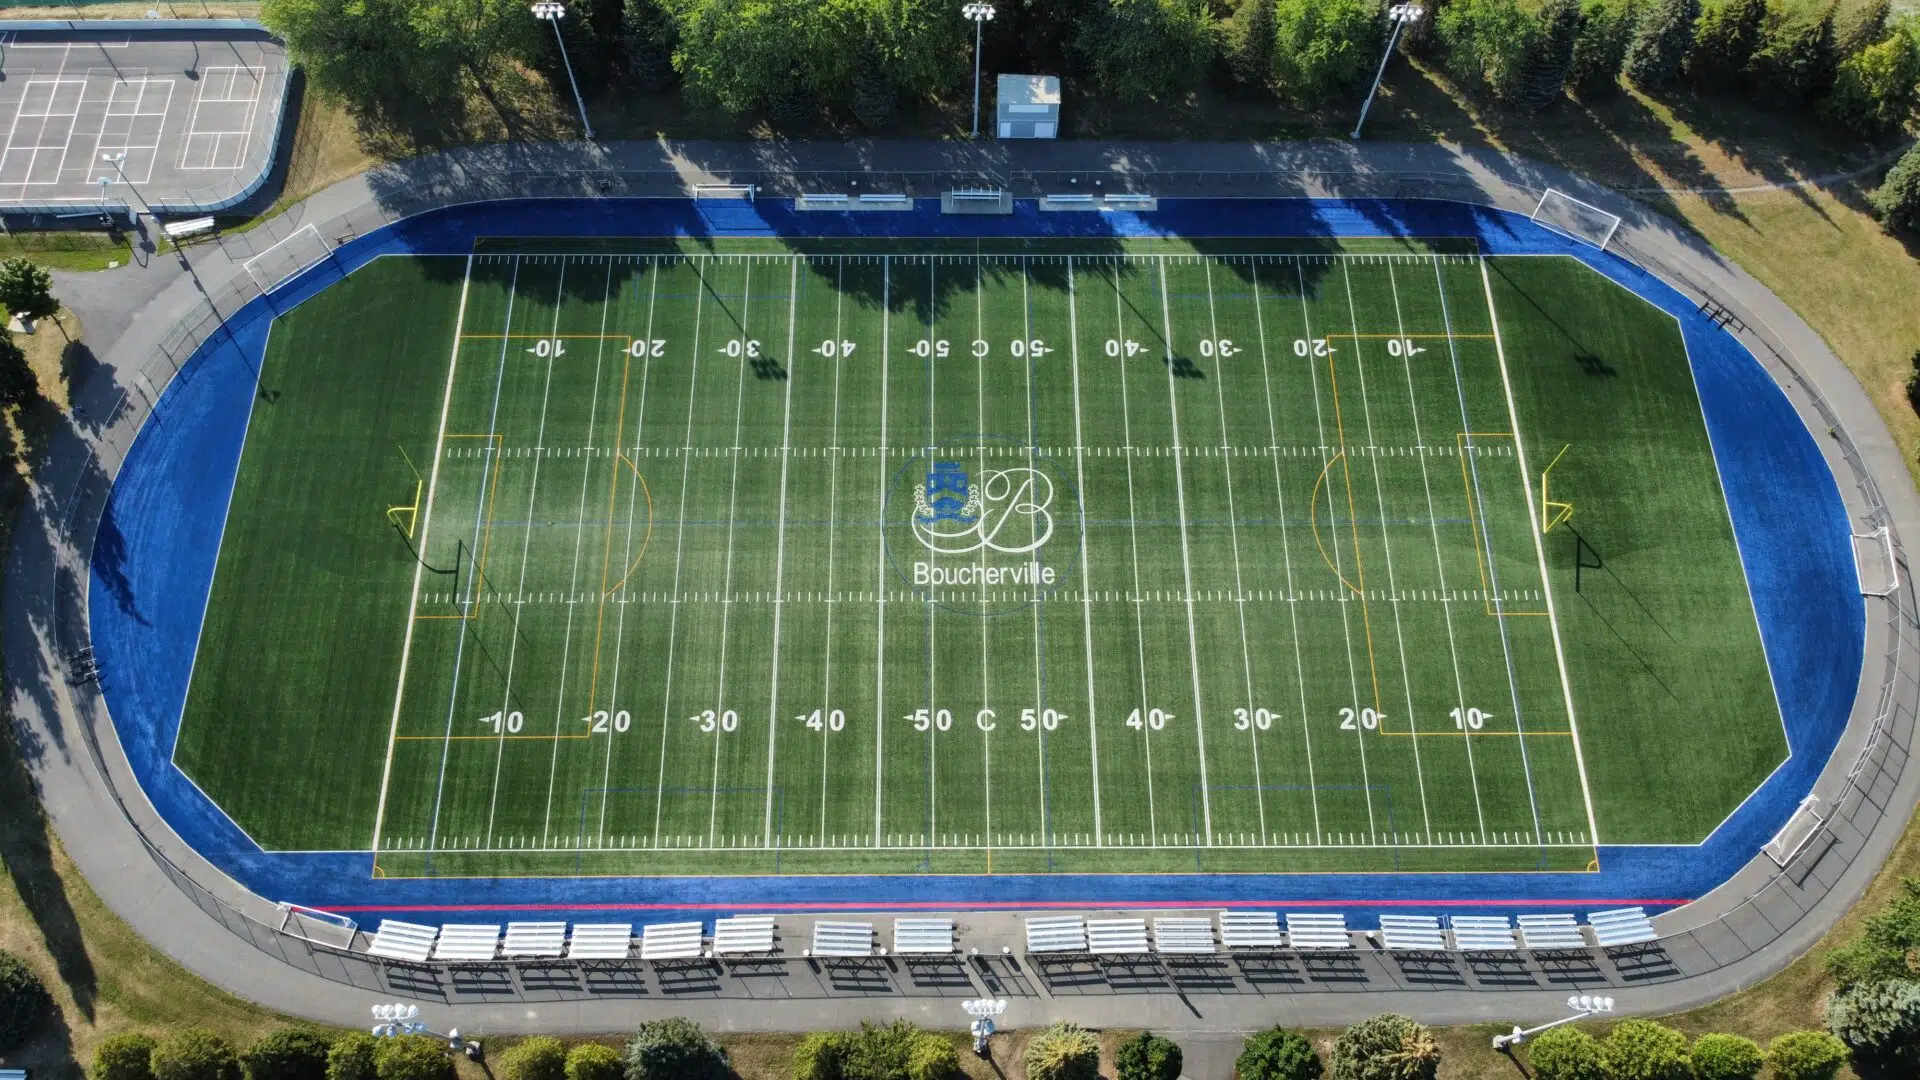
148, 586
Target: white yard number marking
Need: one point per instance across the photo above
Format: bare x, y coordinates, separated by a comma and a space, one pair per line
831, 349
643, 348
824, 720
1221, 347
1366, 719
1148, 719
926, 347
508, 722
1403, 347
739, 347
1117, 348
1249, 720
1316, 347
1033, 347
1036, 719
931, 719
711, 721
549, 348
1469, 719
600, 722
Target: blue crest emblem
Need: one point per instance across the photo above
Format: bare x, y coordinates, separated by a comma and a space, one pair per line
946, 496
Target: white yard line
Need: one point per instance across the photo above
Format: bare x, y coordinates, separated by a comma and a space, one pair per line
980, 425
1039, 636
1186, 558
933, 651
726, 579
1086, 569
1133, 530
833, 518
780, 543
1286, 549
1540, 552
880, 560
413, 603
679, 547
1386, 545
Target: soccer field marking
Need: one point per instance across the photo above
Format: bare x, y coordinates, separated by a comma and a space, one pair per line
1186, 557
1133, 532
1086, 568
733, 504
1540, 553
780, 544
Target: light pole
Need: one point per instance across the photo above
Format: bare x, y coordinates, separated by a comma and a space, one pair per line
552, 12
1400, 15
117, 161
981, 14
1583, 1007
402, 1018
983, 1010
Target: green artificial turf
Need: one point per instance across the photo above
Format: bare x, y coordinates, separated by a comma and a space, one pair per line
1283, 607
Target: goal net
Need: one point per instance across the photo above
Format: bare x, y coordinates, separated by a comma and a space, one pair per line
319, 927
1569, 216
300, 250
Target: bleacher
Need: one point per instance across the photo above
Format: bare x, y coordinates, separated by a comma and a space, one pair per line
1621, 926
1248, 930
1117, 937
743, 935
842, 939
1412, 933
1318, 931
1551, 932
1056, 934
600, 941
1183, 937
923, 937
1482, 933
672, 941
467, 942
535, 940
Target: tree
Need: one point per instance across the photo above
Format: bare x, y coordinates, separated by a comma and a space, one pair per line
1805, 1055
647, 37
287, 1054
123, 1057
26, 290
1543, 76
1893, 934
1385, 1047
745, 55
1877, 1020
1729, 33
822, 1055
1661, 37
1606, 26
1565, 1053
195, 1054
1897, 199
412, 1057
542, 1057
1488, 42
366, 52
1322, 47
23, 999
351, 1057
1251, 42
1644, 1050
1913, 381
1795, 62
1866, 27
1277, 1054
1148, 50
1874, 89
1065, 1051
594, 1061
1147, 1056
674, 1049
1726, 1057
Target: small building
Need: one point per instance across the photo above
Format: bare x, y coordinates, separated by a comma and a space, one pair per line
1028, 107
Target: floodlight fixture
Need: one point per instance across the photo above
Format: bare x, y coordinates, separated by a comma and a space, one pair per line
980, 14
1400, 15
1582, 1006
551, 12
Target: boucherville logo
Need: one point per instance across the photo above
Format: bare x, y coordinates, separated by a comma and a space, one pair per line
983, 517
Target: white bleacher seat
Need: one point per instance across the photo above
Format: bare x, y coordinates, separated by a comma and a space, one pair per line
743, 934
1317, 931
13, 1074
1117, 937
842, 939
535, 939
600, 941
1412, 932
672, 941
1056, 933
1621, 926
1183, 936
467, 941
923, 937
1482, 933
397, 940
1551, 932
1250, 930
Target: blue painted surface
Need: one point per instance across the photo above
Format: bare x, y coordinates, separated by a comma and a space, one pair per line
155, 553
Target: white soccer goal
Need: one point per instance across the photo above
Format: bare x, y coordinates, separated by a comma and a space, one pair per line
1569, 216
288, 257
1879, 569
319, 927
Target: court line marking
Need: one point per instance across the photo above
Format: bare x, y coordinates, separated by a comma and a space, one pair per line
780, 543
46, 114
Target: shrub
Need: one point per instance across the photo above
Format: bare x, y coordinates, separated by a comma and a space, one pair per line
26, 290
1277, 1054
1913, 381
1805, 1055
1147, 1056
1661, 37
821, 1055
1890, 936
1065, 1051
412, 1057
1877, 1019
1873, 91
123, 1057
1385, 1047
23, 1000
1644, 1050
287, 1054
674, 1049
1606, 26
1565, 1053
1729, 32
195, 1054
932, 1058
594, 1061
351, 1057
539, 1058
1726, 1057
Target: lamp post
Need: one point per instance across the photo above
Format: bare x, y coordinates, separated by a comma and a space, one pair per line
981, 14
551, 12
1400, 15
402, 1018
118, 162
983, 1010
1583, 1006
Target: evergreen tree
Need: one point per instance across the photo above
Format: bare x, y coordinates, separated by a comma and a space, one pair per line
1875, 88
1728, 35
1543, 78
1606, 26
1661, 38
1252, 42
1488, 42
1868, 26
1796, 63
1323, 47
647, 38
874, 96
1148, 50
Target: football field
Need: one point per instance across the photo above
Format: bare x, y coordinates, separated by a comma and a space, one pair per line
896, 557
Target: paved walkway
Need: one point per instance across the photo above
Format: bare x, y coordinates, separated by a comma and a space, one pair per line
146, 319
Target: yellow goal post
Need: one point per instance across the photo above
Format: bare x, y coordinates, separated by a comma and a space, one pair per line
1551, 512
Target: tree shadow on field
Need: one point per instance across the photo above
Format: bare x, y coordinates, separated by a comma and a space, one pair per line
28, 855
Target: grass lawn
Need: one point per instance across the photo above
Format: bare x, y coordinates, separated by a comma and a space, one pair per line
63, 250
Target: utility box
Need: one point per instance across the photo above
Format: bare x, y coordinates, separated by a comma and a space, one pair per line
1028, 107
